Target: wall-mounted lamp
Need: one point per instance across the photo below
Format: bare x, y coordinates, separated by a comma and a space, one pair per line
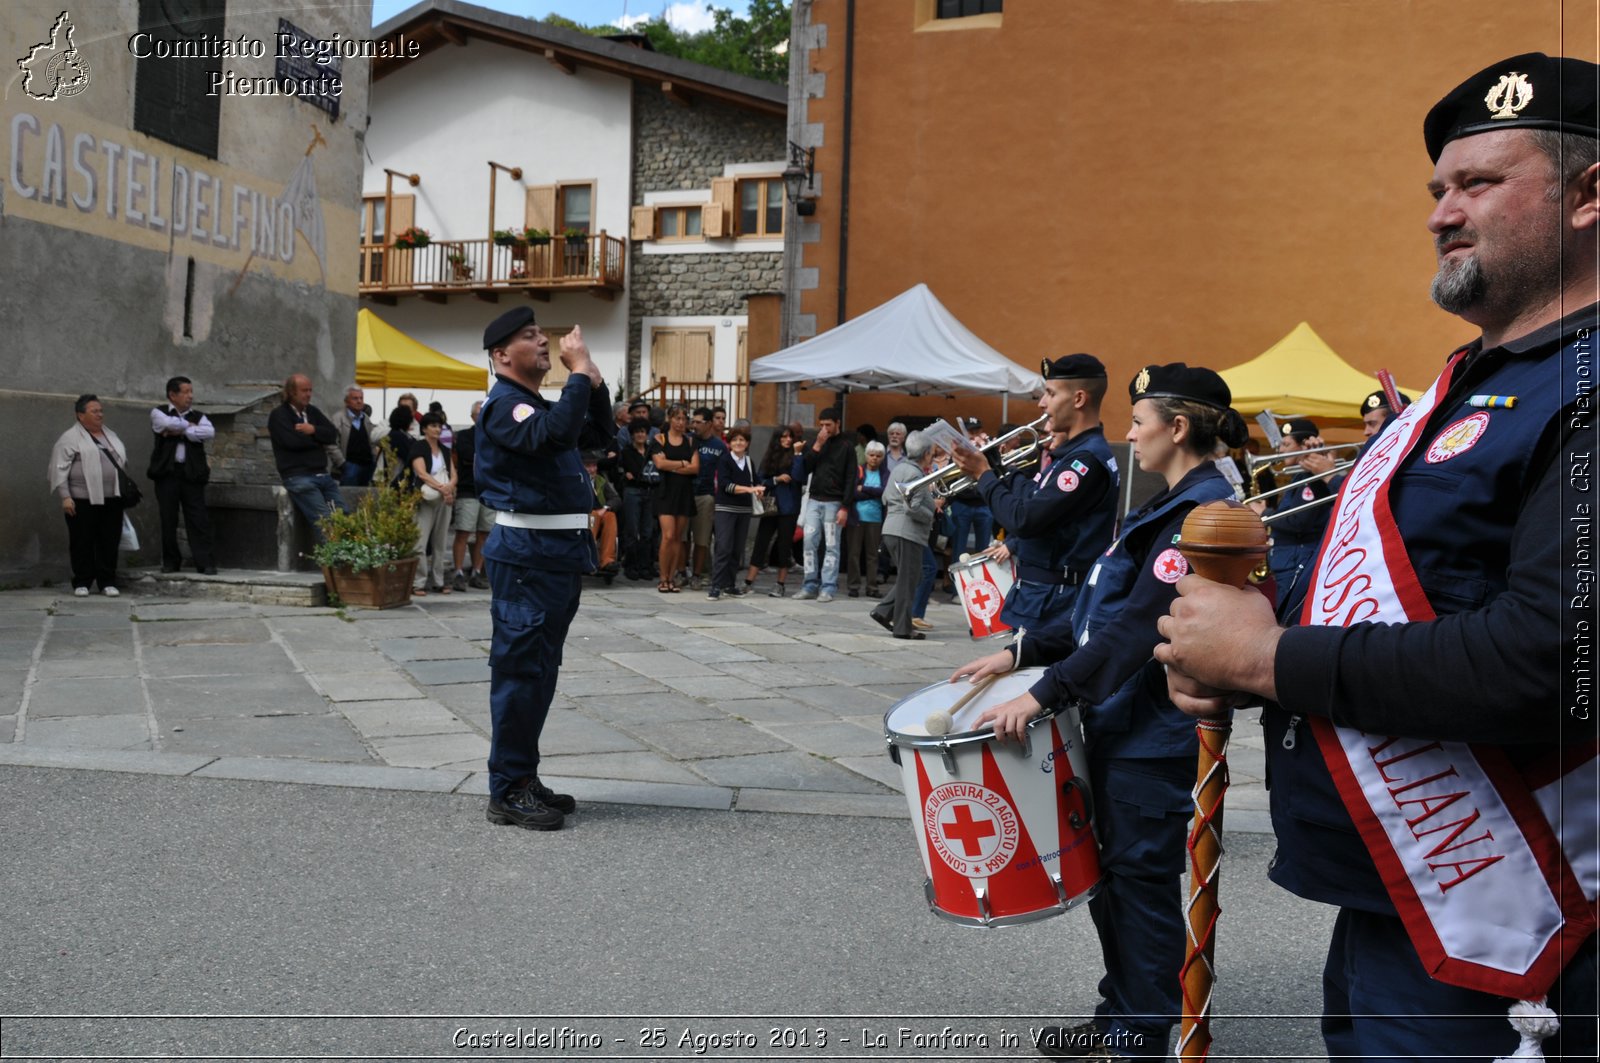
801, 171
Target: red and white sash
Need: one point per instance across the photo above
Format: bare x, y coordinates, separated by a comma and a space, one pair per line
1492, 871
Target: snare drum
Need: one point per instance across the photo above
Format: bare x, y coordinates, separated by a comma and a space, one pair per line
983, 584
1004, 830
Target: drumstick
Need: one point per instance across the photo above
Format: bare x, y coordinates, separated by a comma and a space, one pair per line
939, 722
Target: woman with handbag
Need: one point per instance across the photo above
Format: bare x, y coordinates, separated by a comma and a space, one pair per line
87, 474
783, 472
433, 472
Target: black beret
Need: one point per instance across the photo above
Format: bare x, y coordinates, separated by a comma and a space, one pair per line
1528, 91
507, 325
1175, 380
1300, 426
1379, 399
638, 404
1073, 367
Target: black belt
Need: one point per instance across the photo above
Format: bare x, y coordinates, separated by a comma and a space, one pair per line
1064, 578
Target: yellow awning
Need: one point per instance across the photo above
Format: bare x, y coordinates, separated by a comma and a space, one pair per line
1301, 376
388, 358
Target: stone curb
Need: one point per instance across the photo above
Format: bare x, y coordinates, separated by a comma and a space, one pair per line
434, 780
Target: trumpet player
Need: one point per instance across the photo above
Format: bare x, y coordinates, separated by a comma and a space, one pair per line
1296, 535
1060, 519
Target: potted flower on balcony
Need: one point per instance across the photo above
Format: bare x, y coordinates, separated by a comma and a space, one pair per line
412, 238
576, 236
459, 266
507, 238
368, 555
536, 237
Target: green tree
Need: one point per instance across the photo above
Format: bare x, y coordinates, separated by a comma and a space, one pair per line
741, 45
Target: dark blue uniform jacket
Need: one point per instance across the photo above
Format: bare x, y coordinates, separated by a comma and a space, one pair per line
527, 461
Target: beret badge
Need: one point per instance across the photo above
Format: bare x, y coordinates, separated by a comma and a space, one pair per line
1141, 383
1509, 96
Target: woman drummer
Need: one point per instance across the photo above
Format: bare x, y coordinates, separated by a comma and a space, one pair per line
1141, 749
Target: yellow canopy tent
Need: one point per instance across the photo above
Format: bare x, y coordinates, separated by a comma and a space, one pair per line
388, 358
1301, 376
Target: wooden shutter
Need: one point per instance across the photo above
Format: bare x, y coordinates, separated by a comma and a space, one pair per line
644, 224
556, 379
541, 210
398, 262
718, 217
680, 355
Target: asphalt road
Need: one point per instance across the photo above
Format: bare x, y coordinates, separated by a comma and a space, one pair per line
221, 904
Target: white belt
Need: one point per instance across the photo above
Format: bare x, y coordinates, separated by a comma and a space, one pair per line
545, 521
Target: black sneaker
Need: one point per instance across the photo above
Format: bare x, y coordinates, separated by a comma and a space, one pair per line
522, 808
479, 580
458, 582
562, 803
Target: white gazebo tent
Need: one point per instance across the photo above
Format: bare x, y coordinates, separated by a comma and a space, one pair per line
910, 344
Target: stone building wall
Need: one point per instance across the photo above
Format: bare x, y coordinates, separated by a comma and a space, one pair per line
683, 148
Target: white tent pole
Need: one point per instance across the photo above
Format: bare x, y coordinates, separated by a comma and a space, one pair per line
1005, 408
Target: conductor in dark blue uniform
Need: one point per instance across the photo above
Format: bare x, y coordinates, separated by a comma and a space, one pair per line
1060, 519
529, 472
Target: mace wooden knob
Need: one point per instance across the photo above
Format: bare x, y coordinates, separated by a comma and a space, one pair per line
1223, 541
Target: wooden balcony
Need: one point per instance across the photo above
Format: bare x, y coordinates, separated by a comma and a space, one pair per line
487, 270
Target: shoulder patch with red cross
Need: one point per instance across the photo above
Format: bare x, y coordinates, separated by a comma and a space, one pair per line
1170, 566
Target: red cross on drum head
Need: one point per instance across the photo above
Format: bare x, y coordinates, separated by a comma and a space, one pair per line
972, 828
983, 598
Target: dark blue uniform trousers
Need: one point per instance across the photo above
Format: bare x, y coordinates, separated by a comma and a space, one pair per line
532, 609
1379, 1004
1142, 810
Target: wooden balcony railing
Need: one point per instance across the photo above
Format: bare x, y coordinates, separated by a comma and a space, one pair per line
592, 263
732, 396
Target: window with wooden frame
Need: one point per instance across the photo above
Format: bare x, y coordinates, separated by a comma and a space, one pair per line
373, 233
760, 206
172, 100
575, 208
678, 224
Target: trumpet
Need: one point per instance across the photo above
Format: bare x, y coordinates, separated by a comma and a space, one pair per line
1339, 467
949, 480
1259, 460
1259, 463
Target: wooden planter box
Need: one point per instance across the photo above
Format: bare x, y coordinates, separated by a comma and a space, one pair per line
383, 587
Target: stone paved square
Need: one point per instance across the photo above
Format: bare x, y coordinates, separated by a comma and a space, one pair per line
325, 737
245, 695
128, 732
86, 697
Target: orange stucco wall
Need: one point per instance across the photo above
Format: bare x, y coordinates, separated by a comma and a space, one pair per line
1154, 180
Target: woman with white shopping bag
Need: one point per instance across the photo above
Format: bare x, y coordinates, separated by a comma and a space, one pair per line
84, 466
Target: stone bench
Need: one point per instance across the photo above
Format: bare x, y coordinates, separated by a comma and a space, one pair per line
256, 526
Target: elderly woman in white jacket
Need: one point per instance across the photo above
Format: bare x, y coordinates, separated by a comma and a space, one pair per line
83, 475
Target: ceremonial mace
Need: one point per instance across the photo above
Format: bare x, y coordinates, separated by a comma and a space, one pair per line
1222, 541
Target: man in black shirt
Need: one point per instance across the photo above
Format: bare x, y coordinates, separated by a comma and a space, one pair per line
299, 432
831, 465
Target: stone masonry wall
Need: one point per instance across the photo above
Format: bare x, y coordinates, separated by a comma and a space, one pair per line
678, 147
